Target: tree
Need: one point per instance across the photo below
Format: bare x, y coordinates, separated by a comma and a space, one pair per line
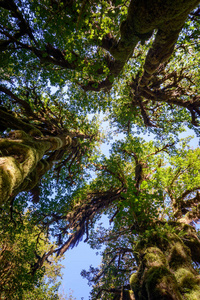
22, 247
153, 235
23, 149
30, 145
91, 44
138, 62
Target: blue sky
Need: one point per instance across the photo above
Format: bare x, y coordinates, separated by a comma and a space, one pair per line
76, 260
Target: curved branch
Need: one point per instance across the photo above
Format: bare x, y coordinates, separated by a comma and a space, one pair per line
18, 100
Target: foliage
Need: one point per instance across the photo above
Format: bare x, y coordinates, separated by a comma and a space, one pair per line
22, 244
63, 63
165, 198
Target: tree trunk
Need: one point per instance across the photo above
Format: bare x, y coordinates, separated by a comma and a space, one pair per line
21, 163
166, 265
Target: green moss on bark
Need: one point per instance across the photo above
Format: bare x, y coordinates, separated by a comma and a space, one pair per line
161, 284
186, 279
21, 165
146, 15
134, 281
154, 257
10, 177
179, 255
166, 270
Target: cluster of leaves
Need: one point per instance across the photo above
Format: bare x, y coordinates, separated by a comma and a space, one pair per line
70, 41
22, 243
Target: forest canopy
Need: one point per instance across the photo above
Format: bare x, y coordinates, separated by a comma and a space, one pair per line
66, 66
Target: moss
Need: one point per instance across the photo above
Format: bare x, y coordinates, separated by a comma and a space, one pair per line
5, 182
22, 155
31, 159
10, 177
192, 242
131, 294
128, 295
180, 256
186, 279
55, 142
42, 166
18, 134
165, 267
35, 132
144, 16
161, 284
12, 121
155, 240
20, 148
133, 281
20, 158
154, 257
33, 178
69, 141
194, 294
184, 228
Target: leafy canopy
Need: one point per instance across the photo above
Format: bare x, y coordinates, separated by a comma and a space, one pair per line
62, 63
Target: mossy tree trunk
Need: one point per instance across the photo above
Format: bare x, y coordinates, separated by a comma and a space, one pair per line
166, 265
22, 163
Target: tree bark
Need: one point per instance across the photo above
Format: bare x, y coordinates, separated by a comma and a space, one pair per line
21, 154
166, 270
